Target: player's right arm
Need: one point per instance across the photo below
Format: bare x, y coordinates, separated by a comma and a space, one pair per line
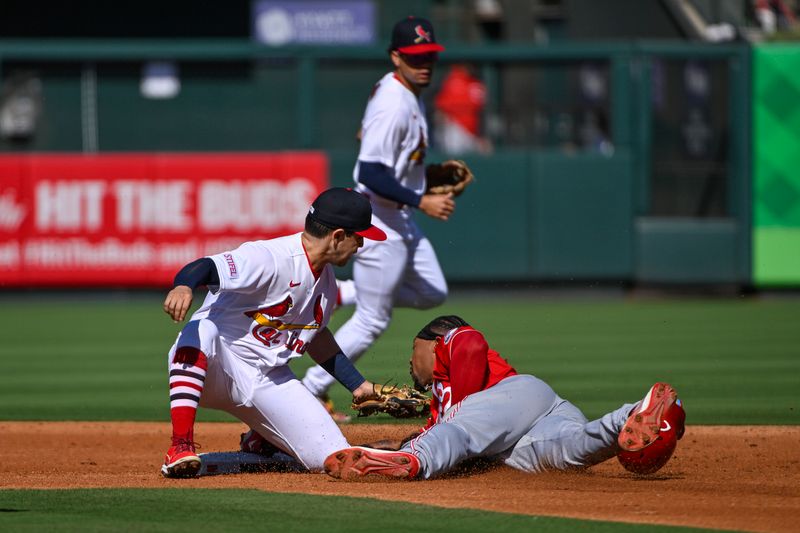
439, 206
383, 132
380, 180
203, 271
246, 269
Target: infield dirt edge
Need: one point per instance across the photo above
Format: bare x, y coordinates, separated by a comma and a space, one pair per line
748, 484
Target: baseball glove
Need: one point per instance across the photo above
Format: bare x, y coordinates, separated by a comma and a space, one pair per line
451, 176
400, 402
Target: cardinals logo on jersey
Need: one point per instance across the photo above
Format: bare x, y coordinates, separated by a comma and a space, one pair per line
267, 316
268, 326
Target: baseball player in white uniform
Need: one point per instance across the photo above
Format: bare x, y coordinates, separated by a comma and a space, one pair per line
268, 302
402, 270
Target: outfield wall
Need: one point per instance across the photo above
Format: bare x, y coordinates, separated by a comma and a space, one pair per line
656, 202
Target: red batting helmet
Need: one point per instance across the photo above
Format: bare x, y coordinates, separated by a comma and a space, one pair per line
652, 457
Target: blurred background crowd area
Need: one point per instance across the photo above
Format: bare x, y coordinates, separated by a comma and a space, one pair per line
564, 104
645, 140
525, 101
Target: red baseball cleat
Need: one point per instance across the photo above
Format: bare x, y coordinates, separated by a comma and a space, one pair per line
647, 419
357, 463
651, 433
181, 460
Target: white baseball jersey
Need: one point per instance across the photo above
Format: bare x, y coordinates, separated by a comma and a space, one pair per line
269, 304
394, 132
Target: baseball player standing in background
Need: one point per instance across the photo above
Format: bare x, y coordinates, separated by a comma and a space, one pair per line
481, 407
268, 302
402, 270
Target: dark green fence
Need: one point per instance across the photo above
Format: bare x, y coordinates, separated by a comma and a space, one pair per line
547, 205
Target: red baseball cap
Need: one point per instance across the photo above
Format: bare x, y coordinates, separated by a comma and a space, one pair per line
414, 35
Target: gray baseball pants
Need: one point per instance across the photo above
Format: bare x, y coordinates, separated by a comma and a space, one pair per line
522, 422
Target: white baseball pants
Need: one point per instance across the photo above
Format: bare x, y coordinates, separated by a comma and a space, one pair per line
271, 401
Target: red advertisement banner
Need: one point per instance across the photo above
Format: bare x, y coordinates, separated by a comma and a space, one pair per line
135, 219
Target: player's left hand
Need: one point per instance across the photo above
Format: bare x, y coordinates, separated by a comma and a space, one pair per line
365, 391
178, 302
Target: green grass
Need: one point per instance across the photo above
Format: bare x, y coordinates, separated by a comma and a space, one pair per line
207, 510
733, 361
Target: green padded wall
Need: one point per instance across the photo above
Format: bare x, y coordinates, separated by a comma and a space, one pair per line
488, 238
221, 106
776, 164
583, 212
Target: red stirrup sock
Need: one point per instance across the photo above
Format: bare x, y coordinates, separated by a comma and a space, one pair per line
187, 374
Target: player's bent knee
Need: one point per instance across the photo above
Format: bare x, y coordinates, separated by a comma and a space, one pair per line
202, 334
207, 329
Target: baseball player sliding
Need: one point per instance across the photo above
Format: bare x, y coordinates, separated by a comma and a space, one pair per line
402, 270
268, 302
481, 407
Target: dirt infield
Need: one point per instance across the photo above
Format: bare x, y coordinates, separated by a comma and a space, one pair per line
741, 478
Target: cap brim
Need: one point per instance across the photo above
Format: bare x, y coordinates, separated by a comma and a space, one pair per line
424, 48
373, 233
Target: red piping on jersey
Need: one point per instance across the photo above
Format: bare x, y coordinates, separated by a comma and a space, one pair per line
308, 260
406, 87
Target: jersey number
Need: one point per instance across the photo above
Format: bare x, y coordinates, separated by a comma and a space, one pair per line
443, 394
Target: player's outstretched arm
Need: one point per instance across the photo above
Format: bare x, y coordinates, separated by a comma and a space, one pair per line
178, 302
325, 351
